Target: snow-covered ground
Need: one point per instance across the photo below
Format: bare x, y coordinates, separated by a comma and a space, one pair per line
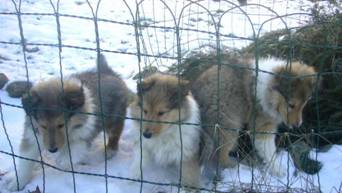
235, 178
119, 44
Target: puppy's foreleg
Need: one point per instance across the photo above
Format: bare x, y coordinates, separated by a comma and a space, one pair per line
114, 135
28, 149
191, 173
266, 148
78, 151
135, 169
228, 141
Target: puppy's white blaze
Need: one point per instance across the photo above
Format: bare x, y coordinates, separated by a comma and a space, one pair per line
267, 65
165, 148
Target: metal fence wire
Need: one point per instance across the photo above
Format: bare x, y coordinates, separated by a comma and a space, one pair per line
178, 37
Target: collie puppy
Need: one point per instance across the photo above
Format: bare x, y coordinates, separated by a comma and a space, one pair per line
282, 90
165, 112
70, 114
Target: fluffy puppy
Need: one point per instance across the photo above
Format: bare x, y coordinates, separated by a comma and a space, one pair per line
282, 92
70, 113
164, 105
281, 98
223, 112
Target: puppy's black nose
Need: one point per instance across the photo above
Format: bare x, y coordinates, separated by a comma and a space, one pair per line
295, 126
53, 150
147, 134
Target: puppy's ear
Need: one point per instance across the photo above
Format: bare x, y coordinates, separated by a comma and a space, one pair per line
280, 90
178, 93
73, 98
309, 85
184, 87
314, 82
30, 102
286, 85
281, 83
145, 86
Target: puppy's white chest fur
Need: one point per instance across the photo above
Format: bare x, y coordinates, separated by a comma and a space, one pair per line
79, 141
167, 147
265, 76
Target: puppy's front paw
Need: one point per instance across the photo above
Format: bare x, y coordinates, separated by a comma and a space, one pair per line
134, 173
110, 153
276, 170
64, 163
10, 182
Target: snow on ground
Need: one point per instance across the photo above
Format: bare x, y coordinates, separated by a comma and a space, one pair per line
57, 181
119, 44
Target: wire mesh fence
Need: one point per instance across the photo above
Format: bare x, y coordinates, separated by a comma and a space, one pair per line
185, 39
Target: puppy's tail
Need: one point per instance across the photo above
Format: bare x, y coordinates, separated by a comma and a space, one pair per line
102, 66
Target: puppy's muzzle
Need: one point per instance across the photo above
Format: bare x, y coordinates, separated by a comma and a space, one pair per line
53, 150
295, 125
147, 134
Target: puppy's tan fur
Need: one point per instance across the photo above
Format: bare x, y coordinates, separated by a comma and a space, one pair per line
280, 98
290, 91
164, 102
71, 115
156, 92
51, 124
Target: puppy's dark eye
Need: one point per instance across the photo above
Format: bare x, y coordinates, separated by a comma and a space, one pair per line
161, 113
60, 126
145, 111
291, 106
44, 127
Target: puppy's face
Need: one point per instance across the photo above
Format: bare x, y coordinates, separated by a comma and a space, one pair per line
290, 95
291, 109
52, 130
160, 99
53, 111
